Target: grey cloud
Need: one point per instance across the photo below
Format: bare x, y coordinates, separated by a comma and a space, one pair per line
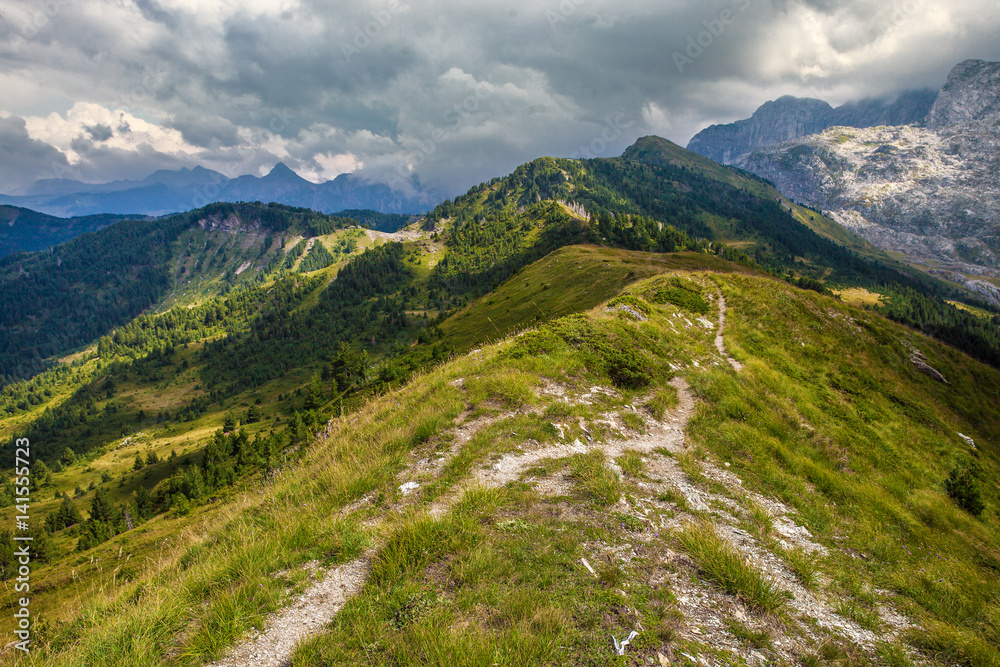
82, 145
153, 12
23, 159
99, 132
206, 131
371, 78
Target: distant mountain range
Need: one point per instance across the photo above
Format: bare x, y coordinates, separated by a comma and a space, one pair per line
167, 192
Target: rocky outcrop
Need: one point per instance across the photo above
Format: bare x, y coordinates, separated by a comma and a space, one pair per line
782, 119
933, 196
789, 118
918, 359
929, 191
972, 93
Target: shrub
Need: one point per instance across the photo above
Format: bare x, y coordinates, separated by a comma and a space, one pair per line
962, 486
681, 293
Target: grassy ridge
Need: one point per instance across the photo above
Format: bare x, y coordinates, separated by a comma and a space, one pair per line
829, 416
834, 419
569, 280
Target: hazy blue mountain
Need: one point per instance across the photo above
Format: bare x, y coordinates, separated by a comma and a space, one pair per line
165, 192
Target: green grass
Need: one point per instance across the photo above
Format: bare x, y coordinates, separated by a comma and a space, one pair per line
631, 463
758, 639
802, 564
662, 401
469, 590
555, 286
720, 562
595, 478
873, 462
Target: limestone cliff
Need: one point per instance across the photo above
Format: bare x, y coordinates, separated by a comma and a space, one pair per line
930, 190
790, 118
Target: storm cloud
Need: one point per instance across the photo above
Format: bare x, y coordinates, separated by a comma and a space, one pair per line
453, 93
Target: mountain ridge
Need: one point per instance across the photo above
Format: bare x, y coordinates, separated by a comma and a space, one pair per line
166, 191
789, 117
26, 230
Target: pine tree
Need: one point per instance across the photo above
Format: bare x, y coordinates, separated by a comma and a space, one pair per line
314, 394
143, 504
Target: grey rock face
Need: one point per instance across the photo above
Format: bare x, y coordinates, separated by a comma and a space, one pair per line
790, 118
910, 107
971, 93
932, 195
780, 120
930, 192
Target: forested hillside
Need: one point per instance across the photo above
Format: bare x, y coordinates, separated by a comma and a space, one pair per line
56, 301
24, 230
659, 198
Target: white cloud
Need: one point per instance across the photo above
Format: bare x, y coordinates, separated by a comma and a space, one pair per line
70, 133
332, 166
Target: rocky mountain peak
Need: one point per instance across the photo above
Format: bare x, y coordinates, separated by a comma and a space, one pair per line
971, 93
778, 120
788, 118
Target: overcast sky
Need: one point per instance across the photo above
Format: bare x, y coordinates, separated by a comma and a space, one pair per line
454, 92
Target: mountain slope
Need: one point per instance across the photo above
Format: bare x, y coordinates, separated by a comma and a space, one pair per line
25, 230
655, 180
656, 150
656, 197
928, 194
794, 510
56, 301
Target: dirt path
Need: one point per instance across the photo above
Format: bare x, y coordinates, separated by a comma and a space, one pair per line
305, 617
313, 610
719, 343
